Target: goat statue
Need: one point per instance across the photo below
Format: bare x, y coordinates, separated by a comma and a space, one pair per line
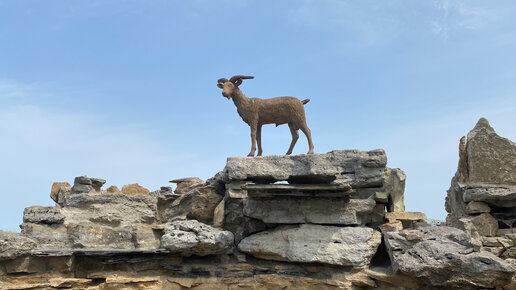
257, 112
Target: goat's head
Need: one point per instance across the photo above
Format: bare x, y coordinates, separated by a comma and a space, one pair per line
229, 86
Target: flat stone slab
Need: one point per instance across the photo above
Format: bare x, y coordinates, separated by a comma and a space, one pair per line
305, 190
343, 246
497, 195
295, 210
353, 167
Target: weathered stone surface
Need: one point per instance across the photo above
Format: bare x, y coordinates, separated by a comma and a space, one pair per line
109, 209
234, 220
292, 210
43, 215
198, 204
301, 190
491, 158
445, 257
84, 184
56, 187
184, 185
475, 207
462, 168
13, 245
344, 246
408, 219
47, 236
192, 237
394, 186
94, 236
465, 224
391, 226
485, 224
134, 189
497, 195
113, 189
353, 167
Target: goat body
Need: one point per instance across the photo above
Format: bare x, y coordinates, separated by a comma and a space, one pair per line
257, 112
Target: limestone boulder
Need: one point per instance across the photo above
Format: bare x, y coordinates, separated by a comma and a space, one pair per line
230, 216
307, 243
394, 186
476, 207
497, 195
485, 224
43, 215
85, 184
491, 158
184, 185
113, 189
14, 244
294, 210
59, 186
190, 237
353, 167
198, 204
445, 257
109, 209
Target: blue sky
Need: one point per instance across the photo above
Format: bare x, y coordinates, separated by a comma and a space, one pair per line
126, 90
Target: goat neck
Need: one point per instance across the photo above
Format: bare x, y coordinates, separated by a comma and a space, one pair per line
239, 99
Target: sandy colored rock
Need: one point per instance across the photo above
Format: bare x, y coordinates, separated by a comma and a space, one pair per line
95, 236
134, 189
184, 185
408, 219
485, 224
491, 158
394, 186
113, 189
391, 226
306, 243
56, 187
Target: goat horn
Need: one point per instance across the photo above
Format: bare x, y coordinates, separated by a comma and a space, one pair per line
239, 77
222, 80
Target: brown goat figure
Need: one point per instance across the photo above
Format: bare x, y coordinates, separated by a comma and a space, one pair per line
257, 112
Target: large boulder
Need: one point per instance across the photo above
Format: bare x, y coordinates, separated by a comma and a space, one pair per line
184, 185
343, 246
445, 257
13, 245
353, 167
190, 237
491, 158
85, 184
198, 204
497, 195
43, 215
64, 187
295, 210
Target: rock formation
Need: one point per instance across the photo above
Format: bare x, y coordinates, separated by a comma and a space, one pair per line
482, 196
322, 221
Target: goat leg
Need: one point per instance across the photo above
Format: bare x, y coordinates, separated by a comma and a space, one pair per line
253, 140
308, 135
259, 139
295, 136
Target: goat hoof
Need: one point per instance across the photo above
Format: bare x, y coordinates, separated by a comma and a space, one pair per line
310, 152
250, 155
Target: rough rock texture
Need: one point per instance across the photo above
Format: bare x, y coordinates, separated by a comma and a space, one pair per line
113, 189
13, 245
344, 246
354, 167
84, 184
491, 158
501, 196
198, 204
446, 257
192, 237
475, 207
43, 215
134, 189
394, 185
59, 186
184, 185
310, 210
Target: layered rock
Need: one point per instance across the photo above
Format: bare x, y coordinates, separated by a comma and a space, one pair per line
482, 196
343, 246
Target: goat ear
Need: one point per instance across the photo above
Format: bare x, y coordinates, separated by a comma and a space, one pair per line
219, 85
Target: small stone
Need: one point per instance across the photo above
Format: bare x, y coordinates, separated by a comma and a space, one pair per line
56, 187
406, 216
184, 185
113, 189
486, 225
391, 226
84, 184
475, 207
199, 204
218, 214
135, 189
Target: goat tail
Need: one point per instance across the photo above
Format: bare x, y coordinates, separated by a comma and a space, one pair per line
305, 101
